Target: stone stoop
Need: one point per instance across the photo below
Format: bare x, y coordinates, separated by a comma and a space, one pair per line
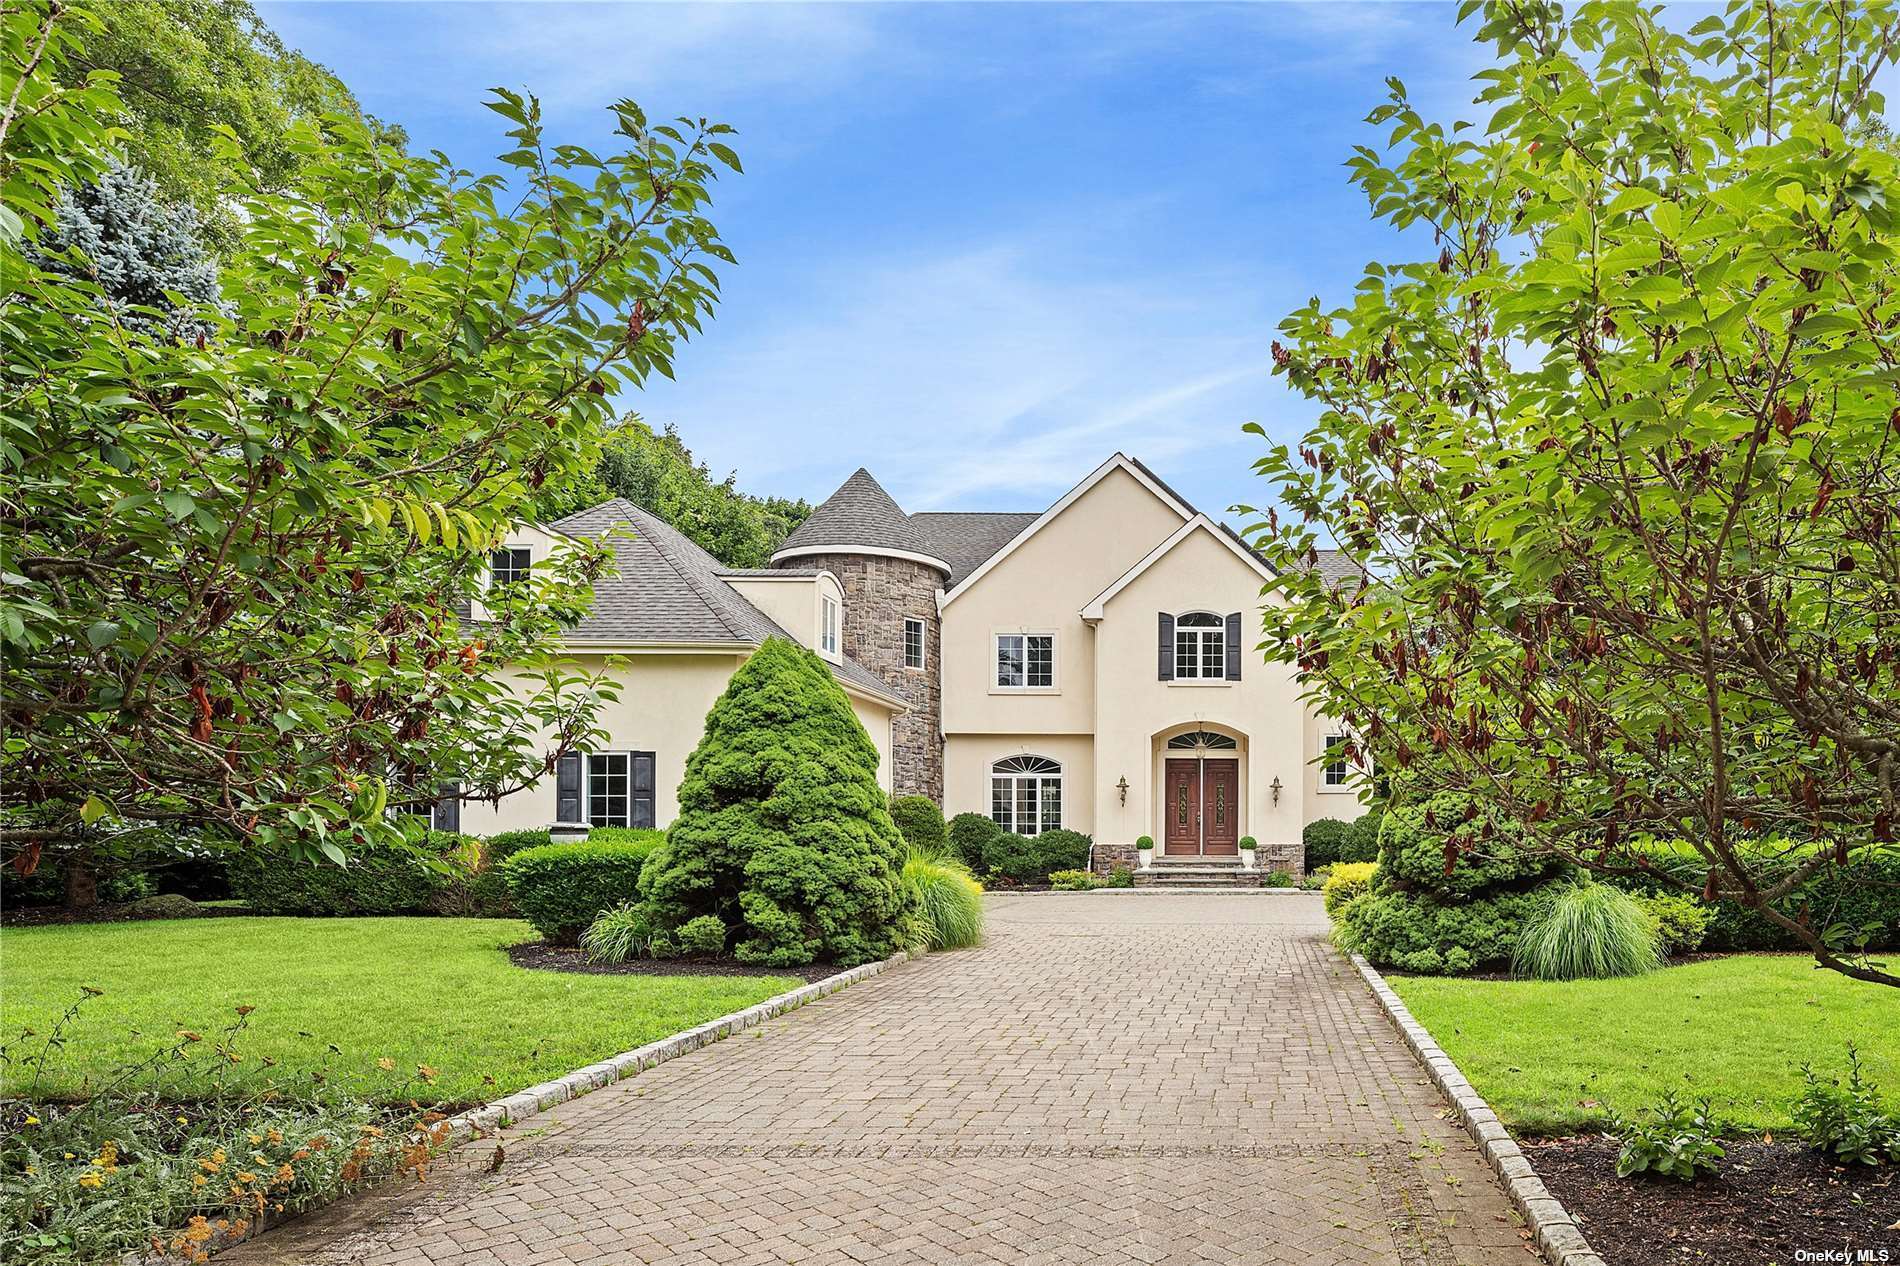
1197, 874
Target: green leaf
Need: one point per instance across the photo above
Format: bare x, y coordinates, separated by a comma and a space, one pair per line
93, 809
1791, 195
101, 634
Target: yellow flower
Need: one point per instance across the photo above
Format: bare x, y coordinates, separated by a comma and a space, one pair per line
246, 1177
72, 1156
387, 1064
182, 1121
255, 1139
32, 1120
32, 1169
197, 1180
91, 1180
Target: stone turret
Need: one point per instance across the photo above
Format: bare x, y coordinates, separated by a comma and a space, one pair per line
889, 575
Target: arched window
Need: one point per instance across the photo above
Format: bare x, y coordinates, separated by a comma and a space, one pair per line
1026, 794
1202, 738
1200, 647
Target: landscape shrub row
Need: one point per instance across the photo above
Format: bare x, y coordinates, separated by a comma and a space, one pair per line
1411, 915
562, 888
376, 881
1863, 895
1005, 857
1329, 841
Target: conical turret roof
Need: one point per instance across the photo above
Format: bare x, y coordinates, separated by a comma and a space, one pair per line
859, 517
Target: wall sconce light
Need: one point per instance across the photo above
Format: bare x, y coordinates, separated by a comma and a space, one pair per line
1122, 787
1276, 788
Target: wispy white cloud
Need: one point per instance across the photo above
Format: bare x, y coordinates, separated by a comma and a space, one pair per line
972, 379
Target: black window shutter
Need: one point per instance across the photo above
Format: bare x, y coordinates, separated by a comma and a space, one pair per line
448, 807
1166, 670
1233, 646
641, 809
567, 789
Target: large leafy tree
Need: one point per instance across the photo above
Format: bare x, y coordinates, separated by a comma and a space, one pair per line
1619, 453
239, 564
189, 67
655, 470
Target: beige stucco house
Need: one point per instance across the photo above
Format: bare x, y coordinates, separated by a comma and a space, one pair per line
1089, 666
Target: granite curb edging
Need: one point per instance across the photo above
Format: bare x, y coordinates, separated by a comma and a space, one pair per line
523, 1104
1558, 1237
513, 1109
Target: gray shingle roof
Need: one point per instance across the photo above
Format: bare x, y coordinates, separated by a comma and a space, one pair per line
966, 539
1334, 567
859, 514
665, 588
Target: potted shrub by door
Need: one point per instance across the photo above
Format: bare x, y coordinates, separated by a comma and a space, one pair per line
1145, 851
1247, 846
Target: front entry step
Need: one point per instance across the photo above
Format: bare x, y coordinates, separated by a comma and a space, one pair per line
1185, 874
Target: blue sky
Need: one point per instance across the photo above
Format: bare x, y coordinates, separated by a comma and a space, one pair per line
980, 247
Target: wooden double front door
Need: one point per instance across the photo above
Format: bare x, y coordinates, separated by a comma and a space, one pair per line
1203, 807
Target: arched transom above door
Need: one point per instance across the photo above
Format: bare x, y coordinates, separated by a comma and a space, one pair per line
1202, 739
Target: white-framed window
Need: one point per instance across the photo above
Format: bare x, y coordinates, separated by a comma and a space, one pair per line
1025, 661
828, 626
620, 789
1336, 770
1026, 794
913, 643
1200, 647
509, 565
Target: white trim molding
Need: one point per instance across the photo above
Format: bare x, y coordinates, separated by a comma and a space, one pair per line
1098, 605
1117, 462
882, 551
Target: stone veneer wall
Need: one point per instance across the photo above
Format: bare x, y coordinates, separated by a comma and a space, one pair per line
879, 594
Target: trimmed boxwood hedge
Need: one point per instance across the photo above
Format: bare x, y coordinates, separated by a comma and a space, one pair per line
920, 822
561, 888
1323, 839
1031, 859
970, 837
376, 881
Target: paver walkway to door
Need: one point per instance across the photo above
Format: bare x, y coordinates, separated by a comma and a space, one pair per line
1113, 1078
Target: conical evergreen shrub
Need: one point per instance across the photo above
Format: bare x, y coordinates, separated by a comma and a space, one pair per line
783, 832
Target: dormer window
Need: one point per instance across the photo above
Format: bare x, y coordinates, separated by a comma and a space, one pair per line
828, 626
509, 564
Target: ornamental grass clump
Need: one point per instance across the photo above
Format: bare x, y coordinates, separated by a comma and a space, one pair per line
950, 903
618, 935
200, 1138
1586, 932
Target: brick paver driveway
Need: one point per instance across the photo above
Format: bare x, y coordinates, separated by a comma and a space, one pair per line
1113, 1078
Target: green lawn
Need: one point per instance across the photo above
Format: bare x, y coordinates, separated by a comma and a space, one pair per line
1554, 1057
415, 991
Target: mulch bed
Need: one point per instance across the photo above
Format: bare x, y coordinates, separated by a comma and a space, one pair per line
1768, 1201
543, 957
